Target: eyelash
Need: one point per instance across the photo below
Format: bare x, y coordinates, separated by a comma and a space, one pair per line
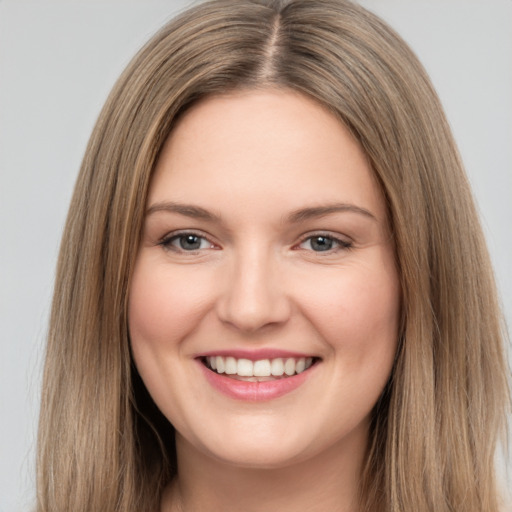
167, 241
340, 245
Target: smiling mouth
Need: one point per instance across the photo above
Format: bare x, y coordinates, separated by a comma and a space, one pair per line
261, 370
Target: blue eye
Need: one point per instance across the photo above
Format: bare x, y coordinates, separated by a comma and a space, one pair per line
186, 242
324, 243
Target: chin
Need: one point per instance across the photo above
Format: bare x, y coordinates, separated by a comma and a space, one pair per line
257, 457
269, 444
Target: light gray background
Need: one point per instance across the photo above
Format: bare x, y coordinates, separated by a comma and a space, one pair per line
58, 60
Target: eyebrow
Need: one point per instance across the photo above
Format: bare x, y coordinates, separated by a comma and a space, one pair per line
321, 211
196, 212
188, 210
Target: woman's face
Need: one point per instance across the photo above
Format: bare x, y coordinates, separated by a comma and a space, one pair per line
267, 255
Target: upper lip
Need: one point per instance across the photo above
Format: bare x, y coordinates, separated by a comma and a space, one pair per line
255, 355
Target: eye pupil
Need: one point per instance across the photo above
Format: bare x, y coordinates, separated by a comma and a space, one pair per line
190, 242
321, 243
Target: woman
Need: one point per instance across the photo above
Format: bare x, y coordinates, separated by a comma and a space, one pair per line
178, 277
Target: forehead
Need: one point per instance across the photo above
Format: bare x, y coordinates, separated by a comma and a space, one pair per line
273, 144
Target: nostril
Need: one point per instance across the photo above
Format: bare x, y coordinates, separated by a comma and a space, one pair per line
253, 299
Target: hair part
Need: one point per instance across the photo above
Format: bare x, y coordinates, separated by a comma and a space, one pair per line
103, 444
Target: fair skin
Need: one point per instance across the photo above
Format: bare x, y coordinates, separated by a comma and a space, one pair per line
266, 239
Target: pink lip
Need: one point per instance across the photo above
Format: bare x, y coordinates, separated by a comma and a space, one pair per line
254, 391
254, 355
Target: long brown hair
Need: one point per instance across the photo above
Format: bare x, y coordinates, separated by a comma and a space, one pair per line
103, 444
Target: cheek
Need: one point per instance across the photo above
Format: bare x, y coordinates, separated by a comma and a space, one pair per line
163, 306
373, 307
357, 311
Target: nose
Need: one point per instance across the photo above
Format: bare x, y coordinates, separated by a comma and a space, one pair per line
253, 295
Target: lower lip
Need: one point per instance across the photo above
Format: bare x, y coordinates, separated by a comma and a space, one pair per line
254, 391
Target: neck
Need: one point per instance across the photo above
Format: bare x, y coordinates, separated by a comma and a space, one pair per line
327, 482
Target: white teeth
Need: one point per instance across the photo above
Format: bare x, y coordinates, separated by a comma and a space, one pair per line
245, 368
277, 367
260, 368
231, 366
301, 365
289, 366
